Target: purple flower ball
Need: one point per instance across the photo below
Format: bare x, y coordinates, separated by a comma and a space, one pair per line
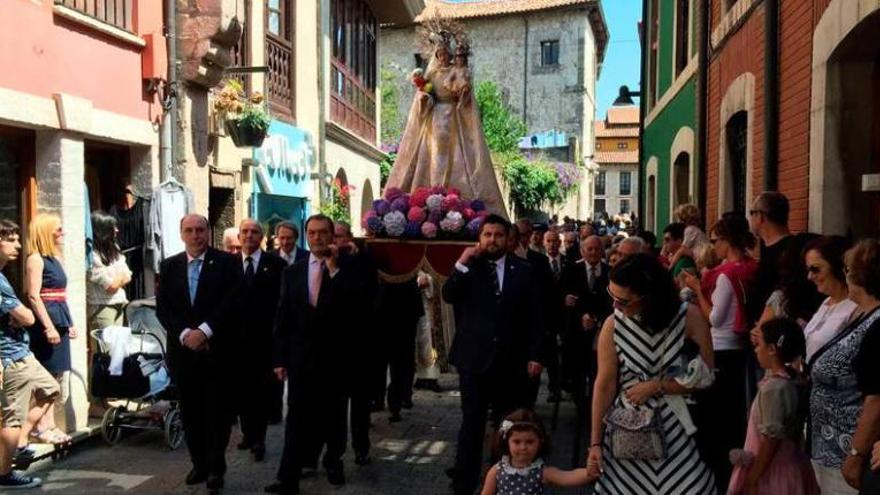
412, 230
474, 225
400, 204
478, 205
381, 207
375, 225
434, 216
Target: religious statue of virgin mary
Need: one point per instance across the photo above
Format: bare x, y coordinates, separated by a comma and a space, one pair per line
443, 143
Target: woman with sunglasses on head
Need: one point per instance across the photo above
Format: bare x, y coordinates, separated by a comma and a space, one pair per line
645, 371
721, 295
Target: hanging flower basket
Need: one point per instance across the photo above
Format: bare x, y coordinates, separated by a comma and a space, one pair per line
246, 118
244, 135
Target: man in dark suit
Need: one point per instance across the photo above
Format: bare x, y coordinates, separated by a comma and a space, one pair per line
261, 274
195, 303
365, 359
287, 235
553, 311
314, 330
497, 345
586, 298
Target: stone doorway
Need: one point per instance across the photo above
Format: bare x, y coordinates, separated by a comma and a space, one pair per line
845, 125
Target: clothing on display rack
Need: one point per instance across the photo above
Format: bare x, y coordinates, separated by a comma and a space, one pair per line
170, 203
132, 239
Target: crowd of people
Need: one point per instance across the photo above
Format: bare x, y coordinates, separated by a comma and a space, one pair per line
739, 359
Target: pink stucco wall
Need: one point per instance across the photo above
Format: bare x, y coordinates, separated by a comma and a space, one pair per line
42, 53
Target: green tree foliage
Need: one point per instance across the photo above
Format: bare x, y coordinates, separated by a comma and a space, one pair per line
503, 129
392, 124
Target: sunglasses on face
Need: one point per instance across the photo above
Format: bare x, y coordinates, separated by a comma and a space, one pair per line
618, 301
713, 241
814, 269
755, 212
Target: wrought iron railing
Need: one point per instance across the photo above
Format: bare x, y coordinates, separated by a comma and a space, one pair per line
114, 12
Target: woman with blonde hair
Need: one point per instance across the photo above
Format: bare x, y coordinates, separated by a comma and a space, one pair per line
694, 237
46, 285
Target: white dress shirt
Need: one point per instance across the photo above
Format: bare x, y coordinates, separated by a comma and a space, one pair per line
255, 256
204, 327
499, 269
315, 264
288, 257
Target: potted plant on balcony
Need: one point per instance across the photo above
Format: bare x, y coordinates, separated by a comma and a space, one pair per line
245, 116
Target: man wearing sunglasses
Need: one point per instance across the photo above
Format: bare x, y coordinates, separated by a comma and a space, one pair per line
497, 346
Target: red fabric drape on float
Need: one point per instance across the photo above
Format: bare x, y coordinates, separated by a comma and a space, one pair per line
398, 260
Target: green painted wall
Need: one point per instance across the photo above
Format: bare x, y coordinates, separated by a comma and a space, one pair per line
667, 46
658, 137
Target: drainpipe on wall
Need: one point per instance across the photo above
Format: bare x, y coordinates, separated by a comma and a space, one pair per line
643, 101
702, 103
168, 137
526, 75
321, 138
771, 95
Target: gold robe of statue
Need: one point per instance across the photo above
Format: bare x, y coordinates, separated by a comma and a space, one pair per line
443, 143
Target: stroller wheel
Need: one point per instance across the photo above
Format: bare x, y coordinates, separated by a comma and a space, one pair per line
111, 429
173, 428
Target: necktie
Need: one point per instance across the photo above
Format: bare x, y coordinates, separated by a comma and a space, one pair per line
249, 271
555, 264
593, 276
316, 274
194, 269
493, 277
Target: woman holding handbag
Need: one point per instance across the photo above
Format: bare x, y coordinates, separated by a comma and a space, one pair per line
641, 438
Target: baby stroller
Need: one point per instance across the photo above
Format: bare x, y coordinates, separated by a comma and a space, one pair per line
139, 376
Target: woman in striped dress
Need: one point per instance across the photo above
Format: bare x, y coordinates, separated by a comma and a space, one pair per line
643, 364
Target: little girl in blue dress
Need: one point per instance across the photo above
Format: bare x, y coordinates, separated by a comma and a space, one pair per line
521, 470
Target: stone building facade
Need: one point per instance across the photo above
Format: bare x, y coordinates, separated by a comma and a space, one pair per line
545, 57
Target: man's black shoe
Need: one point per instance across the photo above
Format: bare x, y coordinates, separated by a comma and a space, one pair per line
282, 488
362, 458
196, 477
336, 476
259, 452
451, 472
554, 397
215, 482
407, 404
377, 407
395, 417
245, 444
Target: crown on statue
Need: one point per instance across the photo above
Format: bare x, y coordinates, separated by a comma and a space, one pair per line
442, 32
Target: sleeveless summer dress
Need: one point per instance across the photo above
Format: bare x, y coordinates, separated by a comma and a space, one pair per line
639, 359
55, 358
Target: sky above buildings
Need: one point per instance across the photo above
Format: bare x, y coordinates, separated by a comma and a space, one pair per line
622, 59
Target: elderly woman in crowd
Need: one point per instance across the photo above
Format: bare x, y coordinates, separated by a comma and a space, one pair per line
721, 295
643, 368
845, 372
46, 285
823, 258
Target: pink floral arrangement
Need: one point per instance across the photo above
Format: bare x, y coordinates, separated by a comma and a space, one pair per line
427, 213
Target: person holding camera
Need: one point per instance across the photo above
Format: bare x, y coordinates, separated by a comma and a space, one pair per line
497, 346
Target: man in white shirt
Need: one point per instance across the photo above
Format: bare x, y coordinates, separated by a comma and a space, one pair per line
286, 234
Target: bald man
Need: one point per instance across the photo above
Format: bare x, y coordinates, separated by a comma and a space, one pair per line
196, 304
261, 273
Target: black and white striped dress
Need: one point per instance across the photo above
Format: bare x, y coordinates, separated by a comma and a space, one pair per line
682, 472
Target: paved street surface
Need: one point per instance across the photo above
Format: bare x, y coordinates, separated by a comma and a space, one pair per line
409, 457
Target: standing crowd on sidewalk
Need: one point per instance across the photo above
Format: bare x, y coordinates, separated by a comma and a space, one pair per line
740, 359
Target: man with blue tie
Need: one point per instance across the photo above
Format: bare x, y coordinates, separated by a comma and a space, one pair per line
195, 303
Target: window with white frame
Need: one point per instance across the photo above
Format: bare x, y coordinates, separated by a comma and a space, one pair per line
625, 183
599, 185
624, 206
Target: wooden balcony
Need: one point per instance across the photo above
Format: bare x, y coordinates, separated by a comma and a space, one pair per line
279, 58
114, 12
352, 105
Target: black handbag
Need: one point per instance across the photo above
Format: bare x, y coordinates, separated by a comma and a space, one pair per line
131, 384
